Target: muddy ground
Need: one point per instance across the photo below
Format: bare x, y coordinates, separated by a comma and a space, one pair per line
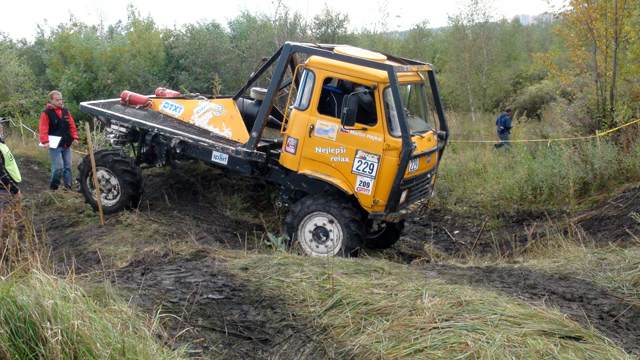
228, 318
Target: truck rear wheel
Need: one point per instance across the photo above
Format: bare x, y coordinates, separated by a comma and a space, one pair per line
119, 179
383, 235
325, 225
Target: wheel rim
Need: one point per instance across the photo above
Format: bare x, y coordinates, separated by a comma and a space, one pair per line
376, 230
320, 234
110, 190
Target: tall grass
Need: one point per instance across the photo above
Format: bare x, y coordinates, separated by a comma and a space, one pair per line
46, 317
379, 310
612, 267
556, 175
43, 317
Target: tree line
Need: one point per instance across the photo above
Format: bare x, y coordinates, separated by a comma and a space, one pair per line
583, 59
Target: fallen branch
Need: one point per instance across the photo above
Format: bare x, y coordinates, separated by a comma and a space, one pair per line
454, 239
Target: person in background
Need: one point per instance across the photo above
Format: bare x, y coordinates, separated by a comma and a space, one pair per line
57, 121
9, 179
504, 128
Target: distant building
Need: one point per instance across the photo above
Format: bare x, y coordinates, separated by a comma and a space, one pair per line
525, 19
535, 19
542, 18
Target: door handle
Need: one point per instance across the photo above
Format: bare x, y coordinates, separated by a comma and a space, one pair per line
311, 129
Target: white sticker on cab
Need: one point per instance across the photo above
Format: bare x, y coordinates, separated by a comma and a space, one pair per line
364, 185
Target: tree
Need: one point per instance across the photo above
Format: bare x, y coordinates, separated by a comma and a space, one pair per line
472, 51
200, 59
595, 32
330, 26
18, 92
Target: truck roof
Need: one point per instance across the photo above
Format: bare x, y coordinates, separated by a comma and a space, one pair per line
363, 71
360, 71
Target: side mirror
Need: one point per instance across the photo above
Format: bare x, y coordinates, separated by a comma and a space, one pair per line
443, 135
349, 110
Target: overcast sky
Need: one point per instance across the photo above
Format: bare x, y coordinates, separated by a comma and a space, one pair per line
20, 18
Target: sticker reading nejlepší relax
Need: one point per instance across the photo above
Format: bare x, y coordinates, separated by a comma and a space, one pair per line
365, 164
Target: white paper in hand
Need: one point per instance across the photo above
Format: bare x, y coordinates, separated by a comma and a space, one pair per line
54, 141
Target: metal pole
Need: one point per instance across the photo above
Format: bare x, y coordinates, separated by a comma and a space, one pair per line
95, 175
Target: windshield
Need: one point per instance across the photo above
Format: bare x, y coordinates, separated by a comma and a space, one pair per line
413, 97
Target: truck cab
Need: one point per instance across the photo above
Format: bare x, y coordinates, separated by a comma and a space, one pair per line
345, 127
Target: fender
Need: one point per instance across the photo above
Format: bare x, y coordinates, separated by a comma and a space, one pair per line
325, 173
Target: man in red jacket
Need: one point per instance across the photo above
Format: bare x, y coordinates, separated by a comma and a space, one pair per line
57, 126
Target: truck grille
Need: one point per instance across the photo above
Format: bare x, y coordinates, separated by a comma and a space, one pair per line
153, 120
419, 187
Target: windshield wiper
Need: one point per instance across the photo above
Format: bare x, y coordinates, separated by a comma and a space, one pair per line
417, 133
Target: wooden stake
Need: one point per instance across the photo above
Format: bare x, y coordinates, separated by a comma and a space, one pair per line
478, 238
598, 138
21, 129
95, 174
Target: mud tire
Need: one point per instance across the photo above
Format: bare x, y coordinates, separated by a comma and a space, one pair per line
119, 177
338, 217
385, 237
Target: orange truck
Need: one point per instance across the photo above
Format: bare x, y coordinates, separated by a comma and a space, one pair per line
356, 140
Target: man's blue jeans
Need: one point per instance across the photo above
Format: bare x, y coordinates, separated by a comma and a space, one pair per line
504, 142
61, 160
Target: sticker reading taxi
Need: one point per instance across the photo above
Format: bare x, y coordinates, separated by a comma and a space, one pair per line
326, 130
366, 164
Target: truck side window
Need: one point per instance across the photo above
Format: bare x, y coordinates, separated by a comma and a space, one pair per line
332, 95
392, 117
306, 89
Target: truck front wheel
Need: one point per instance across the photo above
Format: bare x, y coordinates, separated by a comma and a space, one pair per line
383, 234
325, 225
119, 180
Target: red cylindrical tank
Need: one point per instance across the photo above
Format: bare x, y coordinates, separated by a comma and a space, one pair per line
130, 98
163, 92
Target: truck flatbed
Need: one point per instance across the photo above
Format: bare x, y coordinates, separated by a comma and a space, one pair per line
157, 122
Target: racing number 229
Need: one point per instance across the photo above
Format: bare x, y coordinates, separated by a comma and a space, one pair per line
365, 167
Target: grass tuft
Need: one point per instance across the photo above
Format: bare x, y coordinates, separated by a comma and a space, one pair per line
376, 309
43, 317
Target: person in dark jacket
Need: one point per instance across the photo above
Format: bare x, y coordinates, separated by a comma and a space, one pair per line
504, 128
9, 179
57, 121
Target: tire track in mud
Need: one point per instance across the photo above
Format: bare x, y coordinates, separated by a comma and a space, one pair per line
224, 316
584, 302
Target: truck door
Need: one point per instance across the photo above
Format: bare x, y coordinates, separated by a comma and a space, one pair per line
351, 155
295, 125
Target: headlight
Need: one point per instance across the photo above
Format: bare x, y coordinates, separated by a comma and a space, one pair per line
403, 197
